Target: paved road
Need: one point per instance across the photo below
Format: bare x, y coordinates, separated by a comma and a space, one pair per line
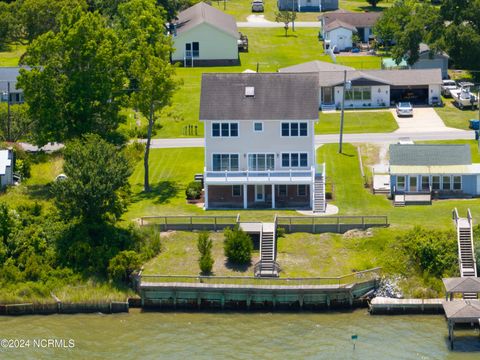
271, 24
333, 138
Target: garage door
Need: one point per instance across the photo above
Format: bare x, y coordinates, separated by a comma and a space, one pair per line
417, 95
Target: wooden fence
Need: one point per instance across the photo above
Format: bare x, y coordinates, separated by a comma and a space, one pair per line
190, 223
334, 224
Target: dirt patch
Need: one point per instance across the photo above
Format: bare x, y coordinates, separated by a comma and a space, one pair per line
356, 233
167, 234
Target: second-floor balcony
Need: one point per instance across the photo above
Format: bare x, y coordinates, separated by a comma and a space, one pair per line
287, 176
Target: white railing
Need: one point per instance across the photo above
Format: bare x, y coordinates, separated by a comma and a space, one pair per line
255, 174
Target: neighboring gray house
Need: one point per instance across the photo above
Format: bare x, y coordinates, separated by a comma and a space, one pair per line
446, 171
259, 141
338, 28
307, 5
6, 168
431, 60
204, 36
371, 88
8, 85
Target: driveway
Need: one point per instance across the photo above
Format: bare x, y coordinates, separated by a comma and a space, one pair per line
259, 21
424, 120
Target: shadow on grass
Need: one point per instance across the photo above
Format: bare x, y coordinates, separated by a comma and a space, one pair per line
348, 155
237, 267
372, 9
40, 192
288, 36
160, 193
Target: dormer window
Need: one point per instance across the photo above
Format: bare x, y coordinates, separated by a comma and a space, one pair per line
249, 91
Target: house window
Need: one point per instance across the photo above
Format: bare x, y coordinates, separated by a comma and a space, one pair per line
413, 183
359, 93
196, 49
294, 160
446, 183
282, 190
301, 190
236, 190
425, 183
457, 183
261, 162
222, 162
258, 126
224, 129
401, 183
295, 129
436, 182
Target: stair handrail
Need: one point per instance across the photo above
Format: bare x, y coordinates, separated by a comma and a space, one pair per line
469, 217
470, 222
455, 216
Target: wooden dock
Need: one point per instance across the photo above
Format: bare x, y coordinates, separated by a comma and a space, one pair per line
384, 305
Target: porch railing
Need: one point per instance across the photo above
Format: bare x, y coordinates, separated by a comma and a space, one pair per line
255, 174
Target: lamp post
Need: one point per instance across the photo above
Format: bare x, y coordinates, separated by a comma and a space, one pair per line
347, 85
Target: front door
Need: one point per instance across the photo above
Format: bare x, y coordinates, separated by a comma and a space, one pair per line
327, 95
413, 183
259, 193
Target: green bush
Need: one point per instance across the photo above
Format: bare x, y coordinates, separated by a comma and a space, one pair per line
123, 264
194, 190
204, 245
238, 246
281, 232
432, 251
22, 167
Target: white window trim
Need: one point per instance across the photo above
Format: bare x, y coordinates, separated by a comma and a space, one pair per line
289, 128
409, 184
440, 178
262, 153
224, 153
278, 190
449, 184
258, 122
452, 187
263, 193
404, 188
290, 159
229, 131
298, 192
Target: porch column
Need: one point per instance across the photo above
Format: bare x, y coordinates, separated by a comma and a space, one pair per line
312, 194
206, 196
273, 196
245, 196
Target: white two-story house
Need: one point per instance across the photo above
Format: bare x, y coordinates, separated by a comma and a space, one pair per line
259, 141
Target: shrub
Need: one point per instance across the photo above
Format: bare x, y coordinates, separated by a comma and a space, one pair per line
238, 246
204, 246
22, 167
281, 232
194, 190
123, 264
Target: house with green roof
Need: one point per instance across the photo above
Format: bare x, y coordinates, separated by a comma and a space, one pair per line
419, 172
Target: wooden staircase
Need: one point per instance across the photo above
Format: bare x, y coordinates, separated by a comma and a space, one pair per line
319, 203
398, 200
267, 266
466, 253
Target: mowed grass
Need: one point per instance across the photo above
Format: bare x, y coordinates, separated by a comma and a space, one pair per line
357, 122
362, 5
269, 50
455, 117
11, 55
353, 198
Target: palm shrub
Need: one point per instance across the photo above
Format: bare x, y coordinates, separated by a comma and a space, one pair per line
238, 246
204, 245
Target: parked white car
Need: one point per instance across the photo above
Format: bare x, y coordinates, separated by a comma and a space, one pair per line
448, 85
404, 109
257, 6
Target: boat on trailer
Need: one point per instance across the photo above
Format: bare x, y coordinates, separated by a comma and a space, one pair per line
463, 97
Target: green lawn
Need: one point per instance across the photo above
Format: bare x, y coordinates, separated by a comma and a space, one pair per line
362, 5
353, 199
357, 122
270, 50
11, 56
454, 117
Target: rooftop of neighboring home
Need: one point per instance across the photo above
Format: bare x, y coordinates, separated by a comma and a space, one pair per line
432, 158
259, 96
5, 161
204, 13
349, 19
333, 74
8, 75
424, 48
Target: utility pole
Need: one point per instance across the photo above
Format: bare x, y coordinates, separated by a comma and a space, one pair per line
8, 111
343, 110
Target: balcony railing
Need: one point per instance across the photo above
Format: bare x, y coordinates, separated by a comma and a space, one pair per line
249, 175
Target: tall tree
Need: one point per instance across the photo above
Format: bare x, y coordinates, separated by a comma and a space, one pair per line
72, 88
96, 175
16, 124
172, 7
140, 23
374, 3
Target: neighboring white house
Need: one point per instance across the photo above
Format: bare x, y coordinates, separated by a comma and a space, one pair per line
307, 5
8, 85
204, 36
6, 168
338, 28
371, 88
259, 141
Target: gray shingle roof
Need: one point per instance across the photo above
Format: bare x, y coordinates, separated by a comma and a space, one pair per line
462, 309
8, 74
462, 285
203, 13
366, 19
430, 155
335, 24
277, 96
332, 74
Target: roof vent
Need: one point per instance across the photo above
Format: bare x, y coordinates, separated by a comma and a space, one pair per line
249, 91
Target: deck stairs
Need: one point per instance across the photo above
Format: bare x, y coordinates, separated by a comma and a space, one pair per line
267, 266
466, 253
399, 200
328, 107
319, 203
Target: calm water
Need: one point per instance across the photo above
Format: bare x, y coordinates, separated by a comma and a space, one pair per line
238, 336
